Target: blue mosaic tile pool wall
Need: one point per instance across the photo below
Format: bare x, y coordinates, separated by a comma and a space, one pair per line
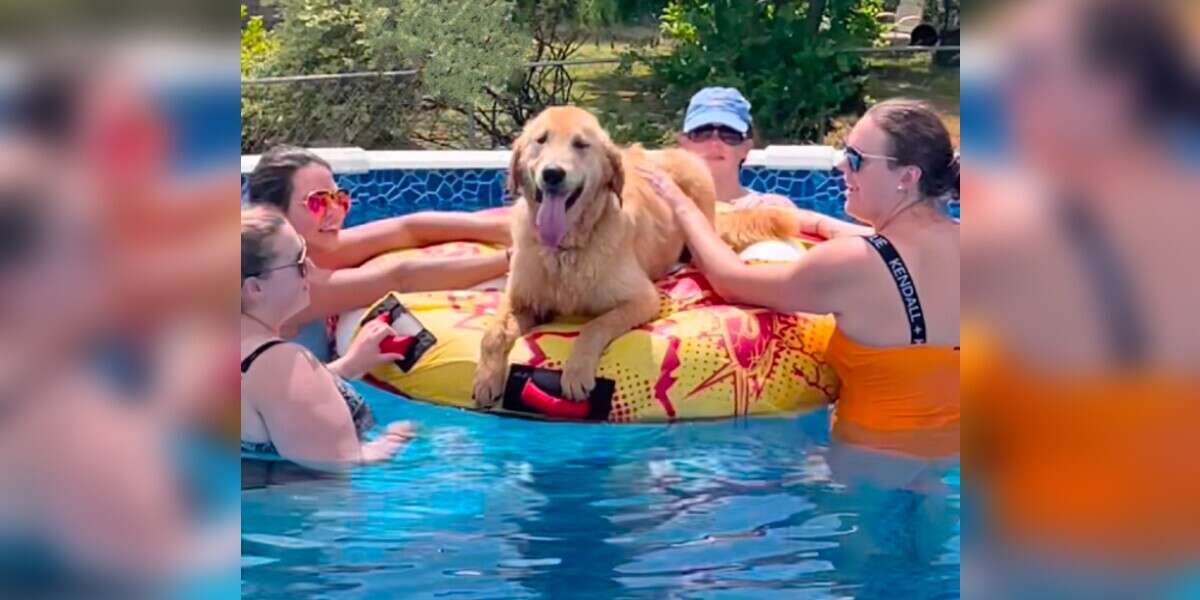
386, 193
822, 191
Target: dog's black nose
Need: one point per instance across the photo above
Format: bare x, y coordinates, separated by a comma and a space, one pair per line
553, 175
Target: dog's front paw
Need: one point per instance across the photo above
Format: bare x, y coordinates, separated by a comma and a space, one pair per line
489, 385
578, 378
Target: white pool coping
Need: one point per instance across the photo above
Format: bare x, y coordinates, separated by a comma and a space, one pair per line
356, 160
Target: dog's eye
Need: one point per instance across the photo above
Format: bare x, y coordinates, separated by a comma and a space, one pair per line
542, 138
580, 144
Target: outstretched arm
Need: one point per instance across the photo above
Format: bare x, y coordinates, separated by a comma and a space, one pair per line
810, 284
347, 289
358, 244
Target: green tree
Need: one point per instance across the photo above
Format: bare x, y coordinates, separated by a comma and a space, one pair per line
784, 55
454, 50
554, 35
595, 13
256, 43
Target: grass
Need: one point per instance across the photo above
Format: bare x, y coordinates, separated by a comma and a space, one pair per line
914, 76
595, 81
625, 100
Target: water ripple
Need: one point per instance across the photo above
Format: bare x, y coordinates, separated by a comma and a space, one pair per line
484, 507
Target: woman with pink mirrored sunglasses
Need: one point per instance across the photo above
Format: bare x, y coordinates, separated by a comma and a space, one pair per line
302, 186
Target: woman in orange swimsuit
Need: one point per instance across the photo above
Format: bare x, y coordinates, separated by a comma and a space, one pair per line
1081, 289
894, 293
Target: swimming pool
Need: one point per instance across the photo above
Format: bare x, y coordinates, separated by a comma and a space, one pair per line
488, 507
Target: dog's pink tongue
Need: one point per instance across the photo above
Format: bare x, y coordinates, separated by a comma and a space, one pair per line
552, 220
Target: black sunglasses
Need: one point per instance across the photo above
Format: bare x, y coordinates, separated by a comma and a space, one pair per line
725, 134
301, 264
855, 158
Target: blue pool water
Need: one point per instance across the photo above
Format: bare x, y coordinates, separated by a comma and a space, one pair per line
488, 507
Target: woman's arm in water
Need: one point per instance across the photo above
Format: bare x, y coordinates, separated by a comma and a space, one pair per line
360, 243
306, 414
811, 284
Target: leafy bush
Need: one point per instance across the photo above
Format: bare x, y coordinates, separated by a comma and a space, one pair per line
603, 12
631, 110
784, 55
555, 35
469, 88
256, 44
455, 48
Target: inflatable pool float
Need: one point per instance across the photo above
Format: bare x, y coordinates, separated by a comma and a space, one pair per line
700, 358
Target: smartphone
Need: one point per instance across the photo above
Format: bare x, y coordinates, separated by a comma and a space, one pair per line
406, 325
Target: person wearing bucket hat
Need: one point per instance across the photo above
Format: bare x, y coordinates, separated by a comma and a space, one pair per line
718, 128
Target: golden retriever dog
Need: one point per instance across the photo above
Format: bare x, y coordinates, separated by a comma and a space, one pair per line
589, 238
741, 228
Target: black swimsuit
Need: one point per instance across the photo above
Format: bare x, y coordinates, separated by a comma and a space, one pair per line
360, 413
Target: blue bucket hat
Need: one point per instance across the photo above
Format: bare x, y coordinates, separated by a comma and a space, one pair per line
718, 106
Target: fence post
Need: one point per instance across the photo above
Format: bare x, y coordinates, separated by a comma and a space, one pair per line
473, 143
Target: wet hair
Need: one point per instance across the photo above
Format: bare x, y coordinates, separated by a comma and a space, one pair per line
271, 180
918, 138
260, 224
1138, 44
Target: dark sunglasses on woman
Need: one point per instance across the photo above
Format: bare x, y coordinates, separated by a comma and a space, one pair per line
725, 134
301, 264
855, 157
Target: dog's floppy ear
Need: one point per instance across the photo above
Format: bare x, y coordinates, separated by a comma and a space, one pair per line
617, 180
513, 183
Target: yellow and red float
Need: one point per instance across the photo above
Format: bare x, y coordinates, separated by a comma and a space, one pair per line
700, 358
